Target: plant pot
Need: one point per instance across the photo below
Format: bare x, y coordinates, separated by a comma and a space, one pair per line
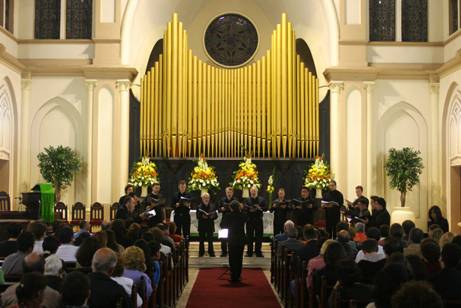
143, 191
245, 193
318, 193
400, 214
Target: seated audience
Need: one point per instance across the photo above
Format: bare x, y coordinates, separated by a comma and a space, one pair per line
112, 242
384, 231
416, 294
118, 226
349, 286
371, 262
85, 252
407, 226
10, 245
430, 251
333, 254
134, 264
387, 282
75, 290
50, 245
310, 248
350, 247
133, 233
287, 226
13, 264
436, 234
104, 292
414, 240
317, 263
67, 250
393, 245
416, 267
54, 272
157, 235
38, 229
436, 218
446, 238
292, 243
448, 281
154, 248
360, 235
372, 233
172, 232
125, 282
83, 228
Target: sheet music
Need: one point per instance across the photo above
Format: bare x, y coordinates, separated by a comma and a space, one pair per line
223, 233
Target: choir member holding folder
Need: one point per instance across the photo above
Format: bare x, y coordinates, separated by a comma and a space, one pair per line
304, 208
255, 207
224, 209
333, 200
281, 208
206, 215
181, 205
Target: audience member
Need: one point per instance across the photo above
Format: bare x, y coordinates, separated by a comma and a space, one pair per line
75, 290
287, 226
118, 226
334, 252
172, 232
317, 263
13, 264
54, 272
112, 242
407, 226
371, 261
414, 294
430, 251
134, 264
125, 282
158, 236
350, 247
448, 281
446, 238
436, 234
50, 245
38, 229
414, 240
66, 251
292, 243
360, 235
85, 252
435, 217
104, 292
10, 245
387, 282
310, 248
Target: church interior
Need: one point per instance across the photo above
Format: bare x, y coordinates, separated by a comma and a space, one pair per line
216, 90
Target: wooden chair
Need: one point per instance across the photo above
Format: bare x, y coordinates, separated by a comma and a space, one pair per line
78, 214
113, 210
5, 204
96, 215
60, 212
134, 297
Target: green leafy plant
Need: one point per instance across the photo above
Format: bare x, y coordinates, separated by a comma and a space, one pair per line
58, 166
404, 168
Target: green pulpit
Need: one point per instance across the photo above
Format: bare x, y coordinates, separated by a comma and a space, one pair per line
47, 202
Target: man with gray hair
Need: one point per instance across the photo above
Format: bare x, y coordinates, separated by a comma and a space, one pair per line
292, 243
288, 225
255, 207
105, 292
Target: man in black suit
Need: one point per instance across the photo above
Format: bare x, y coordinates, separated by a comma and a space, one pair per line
303, 209
255, 207
129, 189
311, 249
335, 201
224, 209
380, 216
181, 205
235, 222
105, 292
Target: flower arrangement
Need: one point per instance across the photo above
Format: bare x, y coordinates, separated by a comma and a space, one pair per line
246, 176
318, 176
203, 177
270, 189
144, 173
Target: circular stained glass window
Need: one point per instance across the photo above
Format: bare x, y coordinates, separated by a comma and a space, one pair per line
231, 40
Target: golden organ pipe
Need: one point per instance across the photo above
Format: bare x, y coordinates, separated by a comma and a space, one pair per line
269, 107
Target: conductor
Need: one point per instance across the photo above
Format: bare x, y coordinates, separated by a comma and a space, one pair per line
235, 222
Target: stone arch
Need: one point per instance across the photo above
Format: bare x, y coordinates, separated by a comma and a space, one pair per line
399, 116
57, 122
8, 137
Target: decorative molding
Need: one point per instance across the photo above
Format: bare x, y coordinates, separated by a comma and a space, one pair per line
336, 87
26, 84
9, 34
54, 41
9, 60
390, 43
123, 85
110, 72
91, 83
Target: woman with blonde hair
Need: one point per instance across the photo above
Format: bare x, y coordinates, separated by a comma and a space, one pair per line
134, 264
317, 263
446, 238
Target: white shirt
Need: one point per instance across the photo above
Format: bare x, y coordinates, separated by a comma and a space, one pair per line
379, 255
66, 252
127, 284
38, 247
165, 249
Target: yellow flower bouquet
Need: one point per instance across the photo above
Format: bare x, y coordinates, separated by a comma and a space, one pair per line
203, 177
318, 176
246, 176
144, 173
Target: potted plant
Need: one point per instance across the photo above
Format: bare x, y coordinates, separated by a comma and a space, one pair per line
403, 167
58, 166
203, 177
245, 177
144, 174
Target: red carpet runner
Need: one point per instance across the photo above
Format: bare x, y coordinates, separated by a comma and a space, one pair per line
212, 289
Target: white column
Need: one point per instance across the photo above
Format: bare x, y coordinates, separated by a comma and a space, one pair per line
62, 23
335, 129
435, 171
123, 87
398, 20
91, 84
26, 85
370, 189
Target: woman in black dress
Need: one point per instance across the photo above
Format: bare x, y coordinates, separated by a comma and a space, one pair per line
436, 218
